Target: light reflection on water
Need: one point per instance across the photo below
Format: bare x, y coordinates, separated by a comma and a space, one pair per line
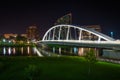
33, 51
17, 51
14, 51
9, 50
4, 50
28, 50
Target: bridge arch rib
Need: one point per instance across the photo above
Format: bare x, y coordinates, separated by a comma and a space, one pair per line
64, 32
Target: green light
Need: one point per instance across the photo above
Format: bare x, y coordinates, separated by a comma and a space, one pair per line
4, 40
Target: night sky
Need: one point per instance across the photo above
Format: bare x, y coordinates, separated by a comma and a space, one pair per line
15, 17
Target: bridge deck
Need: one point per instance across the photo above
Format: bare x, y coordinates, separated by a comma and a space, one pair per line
101, 44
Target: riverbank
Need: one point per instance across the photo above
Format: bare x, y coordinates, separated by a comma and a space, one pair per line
55, 68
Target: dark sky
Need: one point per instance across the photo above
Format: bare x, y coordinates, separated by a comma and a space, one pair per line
15, 17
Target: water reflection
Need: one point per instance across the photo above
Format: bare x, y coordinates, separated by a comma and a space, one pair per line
34, 50
9, 50
75, 50
4, 50
15, 51
28, 50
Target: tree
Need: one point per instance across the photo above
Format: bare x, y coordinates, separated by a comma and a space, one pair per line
1, 37
21, 38
91, 59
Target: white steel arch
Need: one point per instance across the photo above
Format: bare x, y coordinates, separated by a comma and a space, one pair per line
98, 34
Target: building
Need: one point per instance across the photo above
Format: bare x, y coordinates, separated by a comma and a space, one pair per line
88, 36
24, 35
94, 27
32, 33
7, 36
66, 19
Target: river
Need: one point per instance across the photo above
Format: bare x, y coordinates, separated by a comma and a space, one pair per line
18, 51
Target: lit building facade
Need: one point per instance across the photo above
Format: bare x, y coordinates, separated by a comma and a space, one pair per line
32, 33
95, 27
7, 36
24, 35
66, 19
88, 36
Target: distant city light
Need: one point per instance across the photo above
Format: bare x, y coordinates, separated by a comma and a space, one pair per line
28, 42
4, 40
9, 41
111, 33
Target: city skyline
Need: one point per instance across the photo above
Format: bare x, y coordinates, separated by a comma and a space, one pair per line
16, 17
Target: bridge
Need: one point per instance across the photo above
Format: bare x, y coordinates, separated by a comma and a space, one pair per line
78, 36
